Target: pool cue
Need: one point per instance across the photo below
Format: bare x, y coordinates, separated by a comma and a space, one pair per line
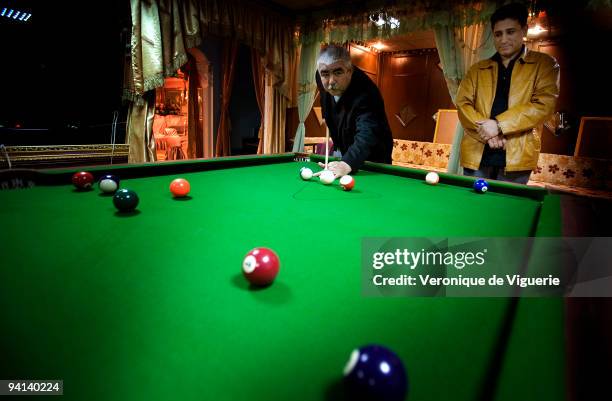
326, 146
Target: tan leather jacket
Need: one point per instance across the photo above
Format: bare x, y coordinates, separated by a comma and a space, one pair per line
534, 89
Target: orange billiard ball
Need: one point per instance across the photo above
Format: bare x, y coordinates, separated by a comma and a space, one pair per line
347, 182
179, 187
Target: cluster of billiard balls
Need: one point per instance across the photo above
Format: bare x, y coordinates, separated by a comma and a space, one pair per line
372, 372
125, 200
480, 185
327, 177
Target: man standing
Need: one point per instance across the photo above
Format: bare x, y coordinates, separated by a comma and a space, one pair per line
503, 102
354, 112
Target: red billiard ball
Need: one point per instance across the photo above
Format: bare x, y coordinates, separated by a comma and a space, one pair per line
347, 182
260, 266
180, 187
83, 180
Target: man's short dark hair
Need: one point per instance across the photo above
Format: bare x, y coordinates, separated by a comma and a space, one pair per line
515, 11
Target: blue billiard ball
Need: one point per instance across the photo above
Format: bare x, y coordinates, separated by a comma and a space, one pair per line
108, 183
125, 200
481, 186
374, 372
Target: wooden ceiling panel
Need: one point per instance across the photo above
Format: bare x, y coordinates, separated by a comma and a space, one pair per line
297, 5
410, 41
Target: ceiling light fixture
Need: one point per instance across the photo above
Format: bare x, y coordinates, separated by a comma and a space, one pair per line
381, 19
535, 30
16, 15
537, 23
394, 23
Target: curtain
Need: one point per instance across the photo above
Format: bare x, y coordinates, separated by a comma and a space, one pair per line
275, 115
307, 89
200, 93
146, 71
260, 94
195, 140
459, 48
140, 125
278, 96
230, 51
163, 30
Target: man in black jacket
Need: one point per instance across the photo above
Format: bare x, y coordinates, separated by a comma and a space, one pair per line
354, 112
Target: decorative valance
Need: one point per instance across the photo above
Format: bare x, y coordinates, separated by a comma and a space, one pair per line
375, 21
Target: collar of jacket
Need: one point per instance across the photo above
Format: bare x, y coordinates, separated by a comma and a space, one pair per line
527, 57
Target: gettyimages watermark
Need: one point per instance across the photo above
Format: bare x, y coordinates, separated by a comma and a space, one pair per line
487, 267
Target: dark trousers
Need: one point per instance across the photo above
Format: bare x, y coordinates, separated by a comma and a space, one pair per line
497, 173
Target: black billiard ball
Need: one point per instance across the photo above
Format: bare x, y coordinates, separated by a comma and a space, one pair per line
374, 372
125, 200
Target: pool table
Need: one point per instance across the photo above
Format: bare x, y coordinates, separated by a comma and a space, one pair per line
152, 305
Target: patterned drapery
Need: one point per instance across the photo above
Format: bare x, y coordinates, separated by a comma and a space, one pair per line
230, 51
306, 90
163, 30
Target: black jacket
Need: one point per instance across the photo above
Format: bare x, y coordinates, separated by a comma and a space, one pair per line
357, 123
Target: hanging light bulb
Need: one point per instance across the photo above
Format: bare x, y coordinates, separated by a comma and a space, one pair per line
535, 30
378, 19
382, 18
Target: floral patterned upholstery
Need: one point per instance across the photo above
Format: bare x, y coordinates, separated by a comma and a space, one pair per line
426, 154
565, 172
573, 171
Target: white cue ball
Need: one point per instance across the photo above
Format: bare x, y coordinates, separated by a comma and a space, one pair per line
306, 173
327, 177
432, 178
108, 186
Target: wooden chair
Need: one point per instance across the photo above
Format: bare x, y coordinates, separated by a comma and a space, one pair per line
594, 138
174, 148
446, 124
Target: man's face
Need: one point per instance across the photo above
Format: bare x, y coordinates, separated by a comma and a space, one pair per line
335, 77
508, 37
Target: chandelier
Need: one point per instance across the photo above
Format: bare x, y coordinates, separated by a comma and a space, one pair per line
381, 18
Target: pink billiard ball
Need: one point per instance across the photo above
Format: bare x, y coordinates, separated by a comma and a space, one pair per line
347, 182
83, 180
260, 266
180, 187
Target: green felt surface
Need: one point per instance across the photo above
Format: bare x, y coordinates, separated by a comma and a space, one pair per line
153, 306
